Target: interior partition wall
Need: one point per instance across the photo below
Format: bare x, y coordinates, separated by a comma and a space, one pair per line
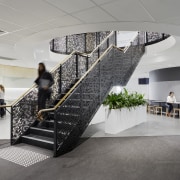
162, 81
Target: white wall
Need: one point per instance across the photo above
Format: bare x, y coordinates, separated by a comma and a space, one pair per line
11, 94
17, 80
147, 61
134, 86
160, 90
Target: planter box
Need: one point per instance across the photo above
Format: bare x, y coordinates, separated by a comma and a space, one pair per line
119, 120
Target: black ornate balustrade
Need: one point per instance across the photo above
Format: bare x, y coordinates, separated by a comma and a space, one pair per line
23, 114
152, 37
112, 68
24, 111
85, 42
93, 76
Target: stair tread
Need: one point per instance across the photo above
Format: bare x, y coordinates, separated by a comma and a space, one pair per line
68, 122
70, 114
39, 138
71, 106
43, 129
80, 99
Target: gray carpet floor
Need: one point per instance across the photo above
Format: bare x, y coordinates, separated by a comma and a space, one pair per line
120, 158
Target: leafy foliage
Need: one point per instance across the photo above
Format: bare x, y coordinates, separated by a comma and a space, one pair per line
124, 100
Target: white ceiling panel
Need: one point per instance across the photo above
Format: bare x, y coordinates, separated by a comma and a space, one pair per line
174, 21
38, 8
42, 27
65, 21
16, 17
8, 27
127, 10
162, 10
6, 42
23, 32
70, 6
94, 15
10, 37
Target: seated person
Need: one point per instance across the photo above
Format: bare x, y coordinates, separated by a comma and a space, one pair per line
170, 100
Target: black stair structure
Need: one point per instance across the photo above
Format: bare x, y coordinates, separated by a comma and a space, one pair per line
81, 84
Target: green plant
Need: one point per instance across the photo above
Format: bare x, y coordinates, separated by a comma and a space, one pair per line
124, 100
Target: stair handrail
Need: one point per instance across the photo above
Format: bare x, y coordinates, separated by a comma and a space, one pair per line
69, 56
66, 58
89, 70
62, 62
79, 81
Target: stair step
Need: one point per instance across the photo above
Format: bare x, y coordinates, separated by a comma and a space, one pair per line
63, 124
42, 131
40, 141
79, 102
70, 109
51, 115
49, 123
65, 117
67, 123
63, 133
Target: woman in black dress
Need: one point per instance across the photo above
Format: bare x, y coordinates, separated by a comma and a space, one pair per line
44, 82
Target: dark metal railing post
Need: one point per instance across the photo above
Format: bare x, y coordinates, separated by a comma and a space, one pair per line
60, 79
163, 36
66, 44
85, 43
77, 73
53, 45
138, 38
146, 38
131, 54
97, 38
98, 52
87, 63
81, 105
100, 82
107, 42
115, 38
11, 131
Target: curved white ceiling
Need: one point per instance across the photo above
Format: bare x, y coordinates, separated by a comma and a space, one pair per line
30, 24
37, 20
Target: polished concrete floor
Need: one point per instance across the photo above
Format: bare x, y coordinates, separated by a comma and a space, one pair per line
148, 151
155, 125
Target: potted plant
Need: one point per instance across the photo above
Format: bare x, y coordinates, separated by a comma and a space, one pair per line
124, 110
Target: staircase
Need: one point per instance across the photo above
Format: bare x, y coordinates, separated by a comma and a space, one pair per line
81, 84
